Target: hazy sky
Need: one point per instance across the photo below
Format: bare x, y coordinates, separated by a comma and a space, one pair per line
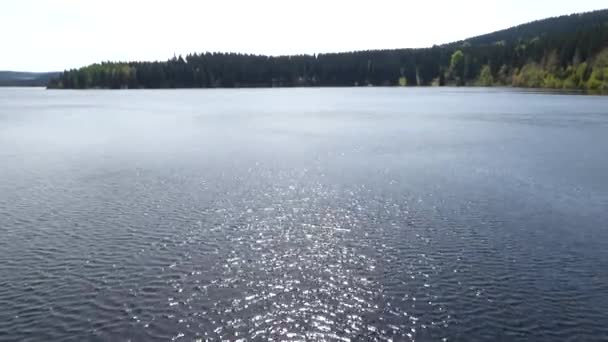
43, 35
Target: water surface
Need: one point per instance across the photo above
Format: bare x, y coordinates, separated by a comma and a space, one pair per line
303, 214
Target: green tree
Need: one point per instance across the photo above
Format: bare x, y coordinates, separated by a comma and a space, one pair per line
530, 76
457, 66
485, 77
598, 80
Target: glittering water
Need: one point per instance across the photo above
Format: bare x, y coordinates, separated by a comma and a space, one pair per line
303, 214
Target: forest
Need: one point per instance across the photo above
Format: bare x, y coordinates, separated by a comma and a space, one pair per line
567, 52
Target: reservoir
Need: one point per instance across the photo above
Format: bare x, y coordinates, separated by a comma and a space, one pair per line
339, 214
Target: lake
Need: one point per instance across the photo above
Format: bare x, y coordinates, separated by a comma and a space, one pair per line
380, 214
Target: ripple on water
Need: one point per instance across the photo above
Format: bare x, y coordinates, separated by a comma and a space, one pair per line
278, 252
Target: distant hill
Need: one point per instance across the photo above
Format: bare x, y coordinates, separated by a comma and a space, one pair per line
567, 52
26, 79
566, 26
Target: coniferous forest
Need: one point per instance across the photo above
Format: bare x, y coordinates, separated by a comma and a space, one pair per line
568, 52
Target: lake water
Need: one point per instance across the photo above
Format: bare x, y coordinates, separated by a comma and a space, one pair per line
303, 214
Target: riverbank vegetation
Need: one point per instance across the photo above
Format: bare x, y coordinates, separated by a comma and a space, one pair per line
568, 52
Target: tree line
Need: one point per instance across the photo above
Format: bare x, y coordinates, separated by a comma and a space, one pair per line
569, 52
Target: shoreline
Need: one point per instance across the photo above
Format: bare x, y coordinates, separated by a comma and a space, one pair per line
450, 87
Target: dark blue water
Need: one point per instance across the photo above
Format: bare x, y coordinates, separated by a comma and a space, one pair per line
303, 214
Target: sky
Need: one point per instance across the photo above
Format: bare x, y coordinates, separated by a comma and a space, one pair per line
53, 35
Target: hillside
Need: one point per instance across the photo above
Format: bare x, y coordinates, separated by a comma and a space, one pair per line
25, 79
564, 26
568, 52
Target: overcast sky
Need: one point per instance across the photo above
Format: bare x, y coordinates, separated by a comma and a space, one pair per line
44, 35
